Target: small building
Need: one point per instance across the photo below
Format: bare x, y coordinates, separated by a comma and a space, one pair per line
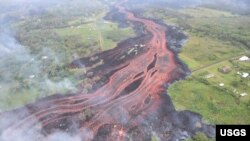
243, 94
245, 75
244, 58
221, 84
225, 69
209, 76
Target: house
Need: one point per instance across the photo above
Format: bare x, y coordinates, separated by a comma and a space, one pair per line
244, 58
209, 76
221, 84
245, 75
243, 94
225, 69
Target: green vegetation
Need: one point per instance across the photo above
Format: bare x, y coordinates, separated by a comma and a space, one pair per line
200, 137
154, 137
73, 35
51, 39
217, 104
216, 39
203, 51
201, 12
103, 34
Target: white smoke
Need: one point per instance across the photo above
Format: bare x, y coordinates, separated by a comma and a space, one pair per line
24, 72
34, 133
18, 64
62, 136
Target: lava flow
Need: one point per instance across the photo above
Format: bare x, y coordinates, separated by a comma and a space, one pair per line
130, 105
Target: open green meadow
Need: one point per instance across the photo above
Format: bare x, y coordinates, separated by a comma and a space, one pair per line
105, 34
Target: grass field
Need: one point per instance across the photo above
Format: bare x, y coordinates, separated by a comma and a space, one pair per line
202, 51
213, 42
201, 12
216, 39
217, 104
106, 34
